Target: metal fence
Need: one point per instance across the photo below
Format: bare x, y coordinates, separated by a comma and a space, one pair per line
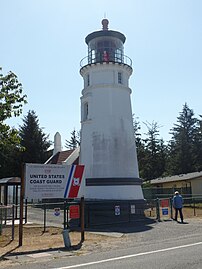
53, 214
192, 207
7, 220
56, 214
97, 213
46, 214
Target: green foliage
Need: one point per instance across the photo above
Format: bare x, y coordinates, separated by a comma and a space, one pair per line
33, 140
11, 96
146, 184
197, 149
141, 153
9, 152
153, 153
182, 152
11, 102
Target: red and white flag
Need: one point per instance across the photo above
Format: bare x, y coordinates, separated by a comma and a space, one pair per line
74, 181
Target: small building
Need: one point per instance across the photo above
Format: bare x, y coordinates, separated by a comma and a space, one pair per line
9, 190
67, 157
60, 156
190, 183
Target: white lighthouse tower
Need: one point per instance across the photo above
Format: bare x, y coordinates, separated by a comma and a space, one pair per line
108, 148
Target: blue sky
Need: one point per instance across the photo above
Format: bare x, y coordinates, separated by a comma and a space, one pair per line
43, 41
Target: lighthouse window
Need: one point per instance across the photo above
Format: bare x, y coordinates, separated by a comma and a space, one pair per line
120, 78
85, 111
118, 55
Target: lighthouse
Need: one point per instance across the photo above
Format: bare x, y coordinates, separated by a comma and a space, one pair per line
108, 148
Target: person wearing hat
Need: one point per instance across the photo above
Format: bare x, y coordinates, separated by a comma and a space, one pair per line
178, 204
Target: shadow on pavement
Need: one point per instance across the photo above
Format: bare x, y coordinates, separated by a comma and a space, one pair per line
31, 252
140, 225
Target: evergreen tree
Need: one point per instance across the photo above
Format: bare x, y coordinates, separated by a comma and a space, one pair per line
10, 151
182, 155
74, 141
33, 139
153, 164
139, 146
197, 148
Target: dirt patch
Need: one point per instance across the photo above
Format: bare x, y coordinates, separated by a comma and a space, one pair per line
188, 212
34, 239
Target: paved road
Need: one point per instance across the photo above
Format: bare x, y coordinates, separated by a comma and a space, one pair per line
183, 257
164, 245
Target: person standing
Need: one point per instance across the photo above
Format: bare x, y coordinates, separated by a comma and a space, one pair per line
178, 204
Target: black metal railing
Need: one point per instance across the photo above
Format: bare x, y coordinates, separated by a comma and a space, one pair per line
101, 58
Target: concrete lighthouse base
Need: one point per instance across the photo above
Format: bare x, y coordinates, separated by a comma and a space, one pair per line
112, 200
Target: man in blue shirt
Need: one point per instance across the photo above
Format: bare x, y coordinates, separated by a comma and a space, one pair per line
178, 204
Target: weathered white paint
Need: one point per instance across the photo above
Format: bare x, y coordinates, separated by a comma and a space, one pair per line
114, 192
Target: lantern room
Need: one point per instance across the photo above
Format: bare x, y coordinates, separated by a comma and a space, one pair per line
105, 46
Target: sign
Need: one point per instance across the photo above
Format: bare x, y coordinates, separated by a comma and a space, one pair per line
164, 211
57, 212
117, 210
165, 203
74, 212
132, 209
52, 181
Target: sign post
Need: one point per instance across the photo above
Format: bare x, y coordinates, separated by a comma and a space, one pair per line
82, 220
44, 218
21, 206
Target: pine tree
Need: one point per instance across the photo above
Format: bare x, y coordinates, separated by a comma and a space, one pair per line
33, 139
10, 150
139, 146
197, 148
181, 147
155, 153
74, 141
